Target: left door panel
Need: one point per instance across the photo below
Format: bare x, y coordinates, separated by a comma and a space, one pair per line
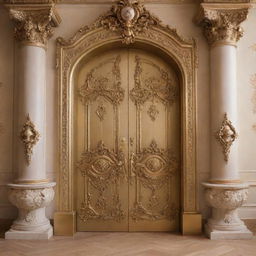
101, 126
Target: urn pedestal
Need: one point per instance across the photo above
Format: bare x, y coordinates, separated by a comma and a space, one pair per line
225, 199
31, 201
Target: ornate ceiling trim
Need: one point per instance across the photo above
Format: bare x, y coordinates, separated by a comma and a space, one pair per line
113, 29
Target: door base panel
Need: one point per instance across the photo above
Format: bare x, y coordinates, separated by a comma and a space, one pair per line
64, 223
191, 223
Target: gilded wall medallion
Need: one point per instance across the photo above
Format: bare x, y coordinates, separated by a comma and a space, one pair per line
29, 136
226, 135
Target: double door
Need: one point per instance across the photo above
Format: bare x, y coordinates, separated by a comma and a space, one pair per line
127, 143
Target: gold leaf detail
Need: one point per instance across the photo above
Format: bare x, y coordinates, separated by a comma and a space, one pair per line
29, 136
153, 168
153, 112
103, 168
129, 18
101, 111
96, 85
226, 135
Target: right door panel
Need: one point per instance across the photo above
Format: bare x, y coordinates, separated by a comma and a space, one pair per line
154, 144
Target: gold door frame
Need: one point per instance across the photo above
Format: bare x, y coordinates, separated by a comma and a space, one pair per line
150, 35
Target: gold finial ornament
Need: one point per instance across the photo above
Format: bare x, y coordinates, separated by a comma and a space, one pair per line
29, 137
130, 18
226, 135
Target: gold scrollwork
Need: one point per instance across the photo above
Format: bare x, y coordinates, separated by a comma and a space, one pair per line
102, 169
153, 168
101, 111
129, 18
151, 88
29, 136
226, 135
96, 86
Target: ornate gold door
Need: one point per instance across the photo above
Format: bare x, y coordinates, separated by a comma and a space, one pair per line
127, 150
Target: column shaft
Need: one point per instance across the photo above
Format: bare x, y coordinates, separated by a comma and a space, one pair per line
223, 100
31, 93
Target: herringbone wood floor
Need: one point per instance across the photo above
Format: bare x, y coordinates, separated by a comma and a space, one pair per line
128, 244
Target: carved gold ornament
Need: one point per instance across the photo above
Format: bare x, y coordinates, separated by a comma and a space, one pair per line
103, 169
34, 25
129, 18
29, 136
226, 136
152, 89
101, 111
153, 169
153, 112
222, 24
96, 85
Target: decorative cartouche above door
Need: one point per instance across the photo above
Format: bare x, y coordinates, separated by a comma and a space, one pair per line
127, 143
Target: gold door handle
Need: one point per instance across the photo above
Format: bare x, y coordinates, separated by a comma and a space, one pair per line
131, 142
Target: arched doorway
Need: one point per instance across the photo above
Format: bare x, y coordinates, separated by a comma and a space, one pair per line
152, 38
127, 142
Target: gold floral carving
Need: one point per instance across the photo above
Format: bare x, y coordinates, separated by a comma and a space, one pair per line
164, 90
34, 25
101, 111
153, 169
153, 112
97, 85
103, 169
29, 137
226, 135
222, 24
90, 38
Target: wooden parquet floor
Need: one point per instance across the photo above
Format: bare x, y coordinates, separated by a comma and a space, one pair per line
128, 244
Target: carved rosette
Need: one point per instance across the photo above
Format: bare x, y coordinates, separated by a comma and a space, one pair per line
129, 18
222, 24
34, 25
29, 137
226, 135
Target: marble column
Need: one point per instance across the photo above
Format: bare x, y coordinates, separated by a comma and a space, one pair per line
224, 192
31, 192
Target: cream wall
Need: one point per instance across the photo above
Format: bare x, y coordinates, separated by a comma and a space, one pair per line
178, 16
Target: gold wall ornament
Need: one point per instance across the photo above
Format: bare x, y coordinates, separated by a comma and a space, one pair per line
153, 169
129, 18
102, 168
29, 137
34, 24
221, 23
226, 135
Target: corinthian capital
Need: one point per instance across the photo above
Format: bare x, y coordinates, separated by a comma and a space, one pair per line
221, 22
33, 24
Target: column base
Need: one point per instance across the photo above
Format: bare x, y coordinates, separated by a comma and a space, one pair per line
191, 223
29, 235
214, 234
